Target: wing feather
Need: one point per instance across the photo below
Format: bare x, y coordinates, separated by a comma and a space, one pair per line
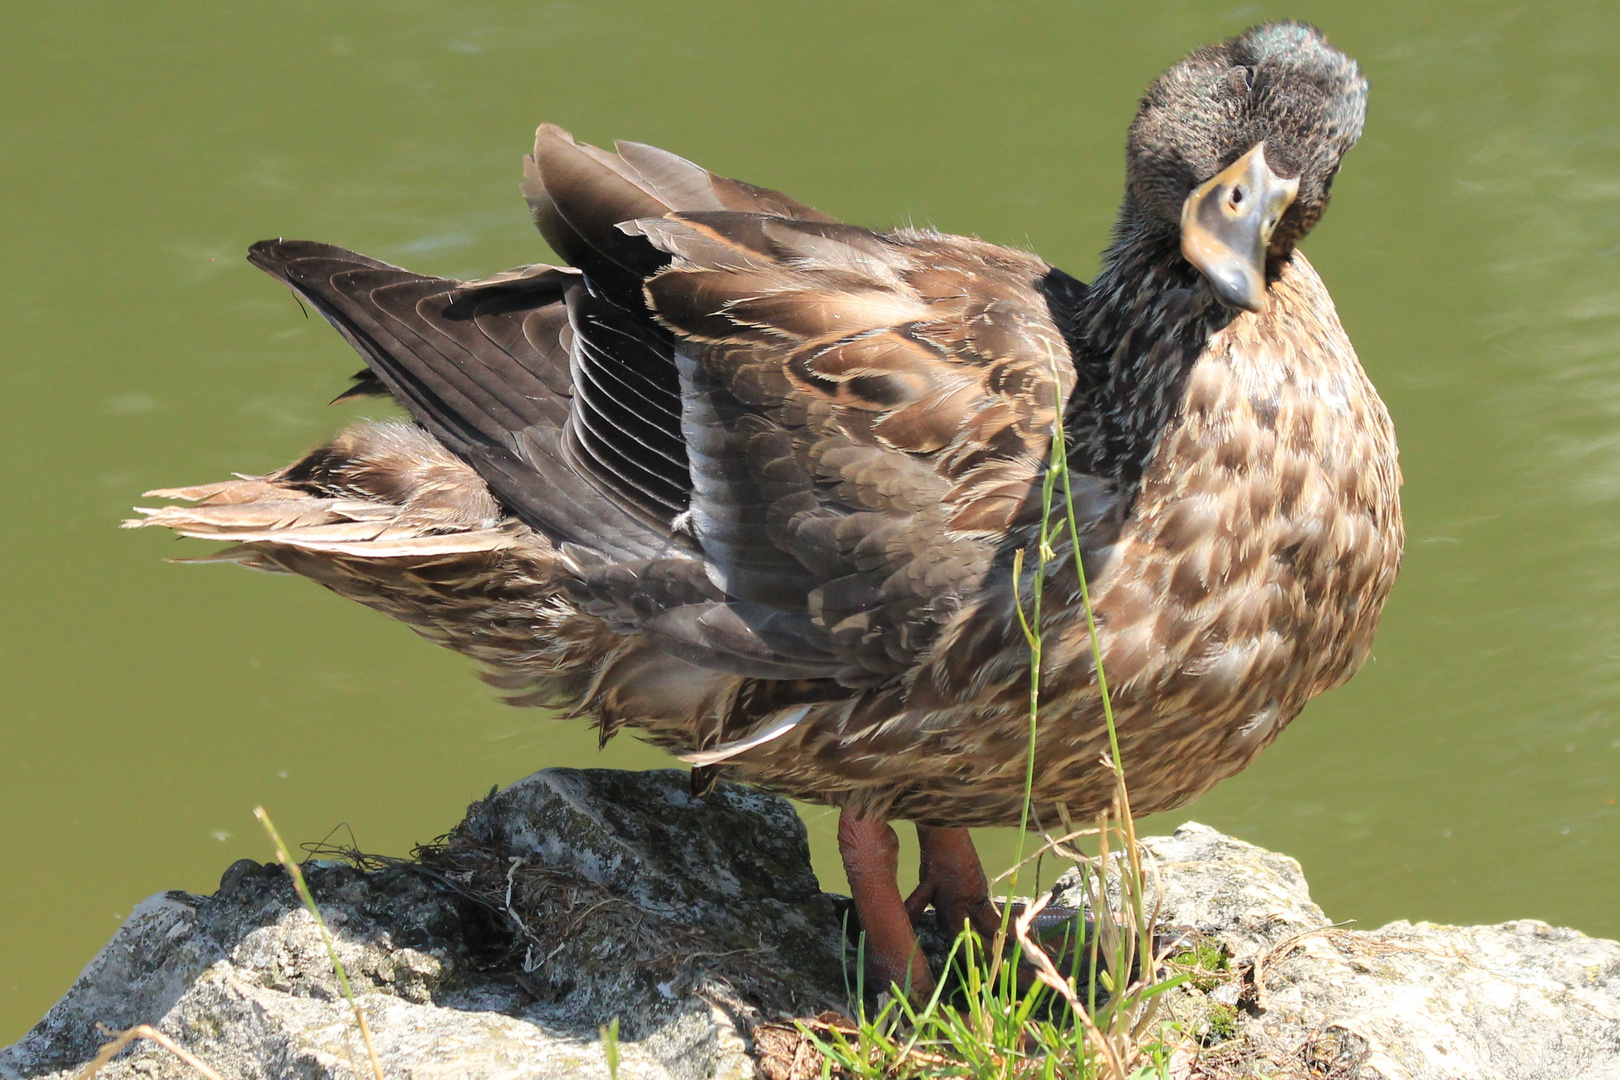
490, 397
779, 446
885, 434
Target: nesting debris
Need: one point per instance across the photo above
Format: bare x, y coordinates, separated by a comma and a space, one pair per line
612, 884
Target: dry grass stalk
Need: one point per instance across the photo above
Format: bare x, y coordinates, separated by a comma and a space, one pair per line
142, 1031
1046, 971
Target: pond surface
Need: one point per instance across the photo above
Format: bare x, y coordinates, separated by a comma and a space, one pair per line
1469, 774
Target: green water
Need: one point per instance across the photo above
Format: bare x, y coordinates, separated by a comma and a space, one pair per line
1469, 774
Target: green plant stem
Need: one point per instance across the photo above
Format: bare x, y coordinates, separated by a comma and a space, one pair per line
284, 855
610, 1047
994, 1029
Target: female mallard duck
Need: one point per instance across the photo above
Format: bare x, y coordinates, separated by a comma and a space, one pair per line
752, 481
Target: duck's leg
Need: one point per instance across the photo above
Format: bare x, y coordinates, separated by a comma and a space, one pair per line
952, 879
871, 854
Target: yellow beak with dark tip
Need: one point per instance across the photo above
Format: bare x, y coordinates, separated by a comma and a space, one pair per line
1227, 222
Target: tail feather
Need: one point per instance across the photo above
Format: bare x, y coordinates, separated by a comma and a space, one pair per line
386, 516
331, 525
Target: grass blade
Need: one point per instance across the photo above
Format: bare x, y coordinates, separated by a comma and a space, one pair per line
302, 888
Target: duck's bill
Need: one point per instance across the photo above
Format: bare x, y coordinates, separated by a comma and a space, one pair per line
1227, 222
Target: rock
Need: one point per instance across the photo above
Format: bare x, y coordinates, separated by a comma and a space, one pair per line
1518, 1001
688, 920
575, 897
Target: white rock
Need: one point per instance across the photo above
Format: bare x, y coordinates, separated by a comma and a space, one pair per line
1519, 1001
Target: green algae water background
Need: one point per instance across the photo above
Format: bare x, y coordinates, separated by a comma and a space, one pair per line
1469, 774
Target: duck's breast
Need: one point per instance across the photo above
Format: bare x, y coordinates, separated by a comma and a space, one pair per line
1260, 550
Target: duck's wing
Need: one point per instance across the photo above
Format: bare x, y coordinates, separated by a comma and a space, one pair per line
794, 447
500, 372
867, 419
554, 384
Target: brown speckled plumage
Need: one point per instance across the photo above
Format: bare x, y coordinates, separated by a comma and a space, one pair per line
751, 481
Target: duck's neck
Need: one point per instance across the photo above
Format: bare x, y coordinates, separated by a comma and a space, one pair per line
1135, 334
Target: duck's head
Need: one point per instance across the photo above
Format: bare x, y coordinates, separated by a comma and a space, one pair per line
1236, 147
